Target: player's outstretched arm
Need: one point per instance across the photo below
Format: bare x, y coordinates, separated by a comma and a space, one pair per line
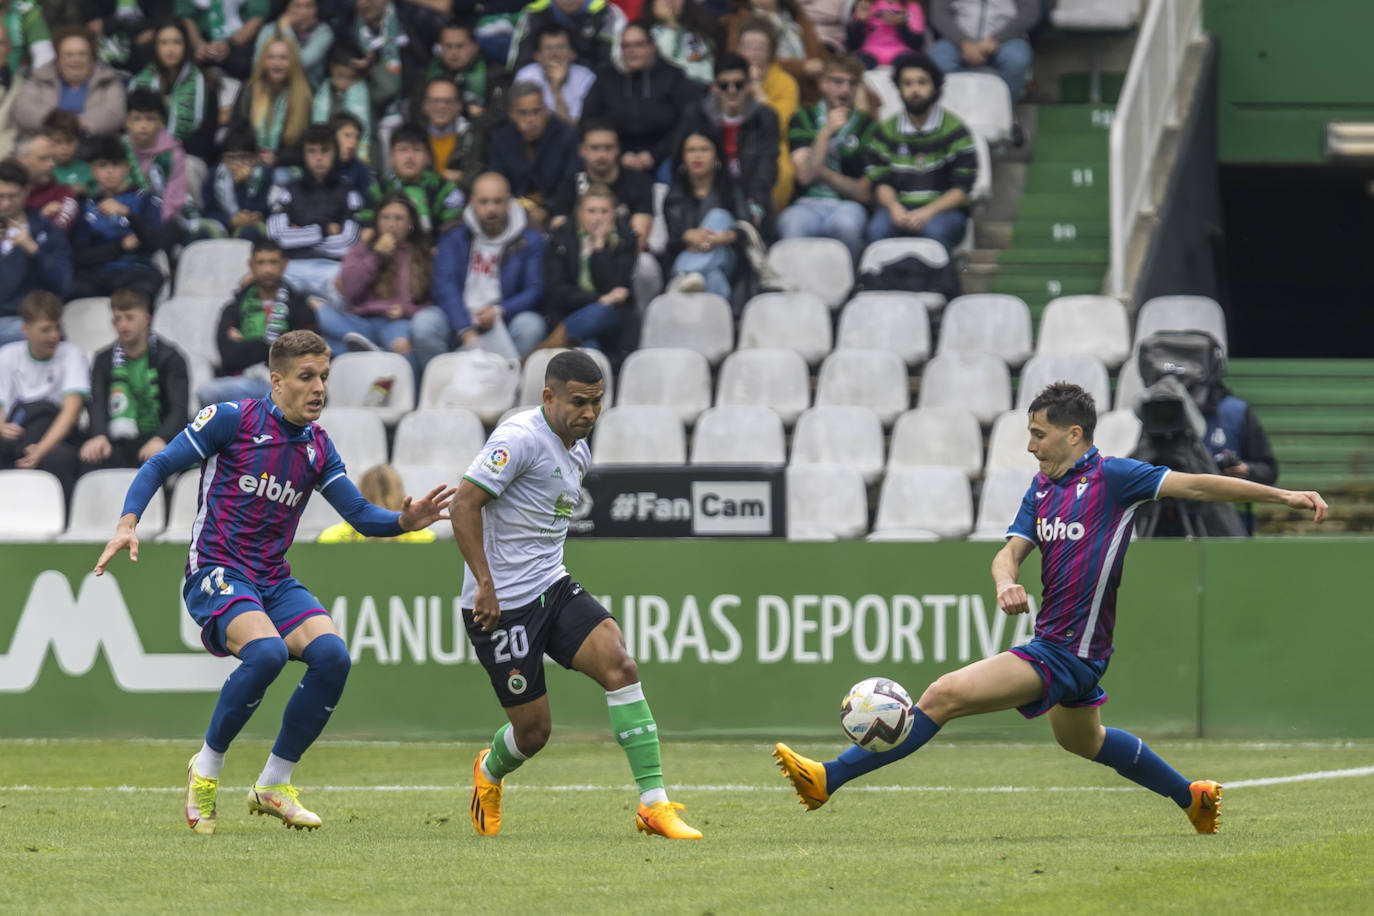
1006, 567
423, 512
125, 538
1216, 488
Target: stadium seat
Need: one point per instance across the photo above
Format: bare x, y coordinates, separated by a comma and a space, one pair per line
639, 435
787, 321
765, 378
982, 182
999, 502
1095, 15
875, 379
1086, 324
987, 323
977, 382
885, 251
419, 479
532, 375
1083, 369
849, 437
1181, 313
182, 516
982, 101
1007, 445
358, 435
933, 498
658, 230
825, 502
816, 265
318, 515
198, 371
884, 321
1118, 433
479, 381
35, 508
86, 323
937, 435
191, 323
212, 267
676, 378
738, 435
96, 502
1128, 385
510, 412
447, 436
381, 383
697, 321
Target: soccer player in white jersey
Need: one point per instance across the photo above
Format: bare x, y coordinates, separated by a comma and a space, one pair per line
510, 519
1078, 512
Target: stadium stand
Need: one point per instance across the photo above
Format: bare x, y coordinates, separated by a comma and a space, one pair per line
886, 321
777, 379
937, 435
1086, 324
675, 378
446, 436
978, 382
738, 435
699, 321
917, 500
1082, 369
875, 379
86, 323
381, 383
639, 435
787, 321
987, 323
474, 379
358, 434
181, 517
843, 436
1181, 313
819, 266
825, 502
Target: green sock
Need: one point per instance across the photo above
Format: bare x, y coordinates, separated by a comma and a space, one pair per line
634, 728
505, 757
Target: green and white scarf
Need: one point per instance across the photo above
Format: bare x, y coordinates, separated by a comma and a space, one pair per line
134, 394
187, 97
387, 41
264, 322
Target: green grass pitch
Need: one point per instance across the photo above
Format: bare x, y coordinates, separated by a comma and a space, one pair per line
96, 827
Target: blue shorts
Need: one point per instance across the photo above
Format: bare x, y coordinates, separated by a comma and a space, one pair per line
1069, 680
217, 595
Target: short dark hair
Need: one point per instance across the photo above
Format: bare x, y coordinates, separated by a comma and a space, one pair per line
343, 53
12, 171
320, 135
107, 149
572, 366
592, 125
340, 118
921, 62
263, 243
292, 346
849, 64
125, 299
59, 123
730, 61
463, 25
243, 140
551, 28
39, 304
409, 133
1066, 404
146, 101
442, 81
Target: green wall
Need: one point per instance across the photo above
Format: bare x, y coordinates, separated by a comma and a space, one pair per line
1259, 638
1287, 67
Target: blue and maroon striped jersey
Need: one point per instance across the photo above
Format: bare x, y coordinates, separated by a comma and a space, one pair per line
1082, 524
256, 478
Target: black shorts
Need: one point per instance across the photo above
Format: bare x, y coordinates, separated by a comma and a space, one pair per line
556, 623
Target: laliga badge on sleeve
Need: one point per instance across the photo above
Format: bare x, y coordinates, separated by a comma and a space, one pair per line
206, 414
496, 461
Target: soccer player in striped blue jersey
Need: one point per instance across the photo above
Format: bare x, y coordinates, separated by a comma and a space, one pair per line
259, 459
1078, 511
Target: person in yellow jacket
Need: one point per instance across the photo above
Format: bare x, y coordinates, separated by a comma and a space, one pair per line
380, 485
773, 86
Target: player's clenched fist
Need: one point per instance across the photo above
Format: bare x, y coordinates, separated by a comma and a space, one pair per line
1012, 599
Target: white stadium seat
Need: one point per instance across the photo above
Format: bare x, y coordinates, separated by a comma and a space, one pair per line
1007, 445
999, 503
987, 323
86, 323
198, 372
816, 265
978, 382
880, 321
937, 435
96, 501
639, 435
982, 182
919, 499
358, 435
382, 383
475, 379
318, 515
1117, 434
675, 378
182, 517
849, 437
1082, 369
1095, 15
1086, 324
875, 379
982, 101
35, 509
1181, 313
825, 502
532, 375
885, 251
1128, 385
447, 436
419, 479
738, 435
698, 321
878, 82
191, 323
212, 267
777, 379
787, 321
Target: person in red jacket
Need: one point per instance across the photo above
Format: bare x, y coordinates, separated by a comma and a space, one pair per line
54, 201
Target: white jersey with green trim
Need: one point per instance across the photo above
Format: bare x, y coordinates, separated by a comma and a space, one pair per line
535, 483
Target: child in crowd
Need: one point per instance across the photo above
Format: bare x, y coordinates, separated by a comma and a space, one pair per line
240, 188
348, 132
437, 201
158, 164
63, 129
345, 90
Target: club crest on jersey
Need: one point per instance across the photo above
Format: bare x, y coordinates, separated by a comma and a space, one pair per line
310, 453
496, 462
207, 413
1078, 490
516, 683
1057, 530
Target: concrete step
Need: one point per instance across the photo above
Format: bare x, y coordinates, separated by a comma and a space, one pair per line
1067, 177
1046, 206
1069, 118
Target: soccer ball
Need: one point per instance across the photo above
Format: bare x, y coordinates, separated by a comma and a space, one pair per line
876, 714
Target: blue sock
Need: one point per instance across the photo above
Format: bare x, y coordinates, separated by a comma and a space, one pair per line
856, 761
1129, 756
261, 662
326, 669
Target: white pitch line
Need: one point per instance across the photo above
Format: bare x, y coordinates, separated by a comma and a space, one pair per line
1300, 777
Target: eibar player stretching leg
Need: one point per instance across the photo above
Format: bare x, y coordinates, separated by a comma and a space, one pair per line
260, 458
1078, 511
510, 519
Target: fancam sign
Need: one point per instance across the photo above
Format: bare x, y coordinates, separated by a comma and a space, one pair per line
680, 502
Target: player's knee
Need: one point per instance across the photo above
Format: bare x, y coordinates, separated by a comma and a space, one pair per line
268, 655
1084, 744
622, 673
328, 656
941, 700
531, 737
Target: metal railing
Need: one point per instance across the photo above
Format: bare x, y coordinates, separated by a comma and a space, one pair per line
1147, 105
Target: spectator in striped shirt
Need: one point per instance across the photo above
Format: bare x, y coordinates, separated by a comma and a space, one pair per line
923, 162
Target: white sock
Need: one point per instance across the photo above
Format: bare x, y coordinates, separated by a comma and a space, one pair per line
650, 797
276, 772
209, 762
